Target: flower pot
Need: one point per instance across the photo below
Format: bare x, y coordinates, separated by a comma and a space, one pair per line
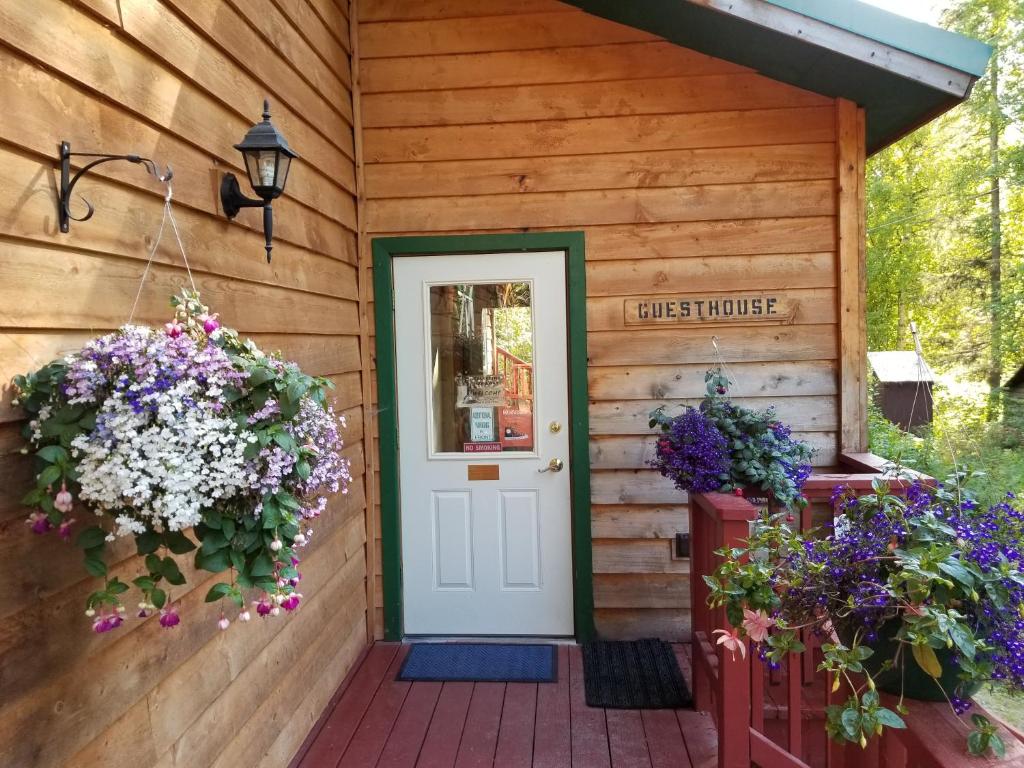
907, 677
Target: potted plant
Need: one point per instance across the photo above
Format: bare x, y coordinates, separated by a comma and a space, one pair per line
919, 595
185, 438
721, 446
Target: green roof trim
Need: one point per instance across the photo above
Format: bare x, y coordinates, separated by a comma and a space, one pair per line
939, 45
903, 73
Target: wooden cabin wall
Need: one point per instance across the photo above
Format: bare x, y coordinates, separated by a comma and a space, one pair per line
179, 81
688, 175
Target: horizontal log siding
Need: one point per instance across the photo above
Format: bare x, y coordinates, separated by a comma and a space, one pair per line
179, 81
687, 173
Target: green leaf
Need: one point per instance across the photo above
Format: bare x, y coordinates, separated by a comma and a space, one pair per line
95, 567
213, 541
178, 542
217, 591
94, 536
144, 583
153, 564
974, 743
158, 597
215, 562
286, 441
53, 454
926, 659
147, 542
49, 476
995, 741
170, 571
303, 470
237, 560
228, 528
116, 587
262, 565
889, 718
851, 723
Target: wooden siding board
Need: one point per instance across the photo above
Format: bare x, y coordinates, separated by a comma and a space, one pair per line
405, 10
602, 135
582, 208
504, 33
555, 65
661, 95
627, 170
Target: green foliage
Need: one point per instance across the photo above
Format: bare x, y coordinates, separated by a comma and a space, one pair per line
942, 250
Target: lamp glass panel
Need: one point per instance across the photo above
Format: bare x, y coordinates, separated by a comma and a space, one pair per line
252, 168
284, 163
267, 168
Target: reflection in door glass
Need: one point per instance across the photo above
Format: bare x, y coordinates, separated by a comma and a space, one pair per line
481, 360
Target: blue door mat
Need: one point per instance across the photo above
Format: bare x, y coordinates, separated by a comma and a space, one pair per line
480, 662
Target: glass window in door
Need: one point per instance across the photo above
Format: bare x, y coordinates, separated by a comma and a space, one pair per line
482, 376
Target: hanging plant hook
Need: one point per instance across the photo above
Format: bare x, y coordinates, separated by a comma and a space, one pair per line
67, 181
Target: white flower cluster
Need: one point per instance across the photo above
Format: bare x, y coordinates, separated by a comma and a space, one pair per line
162, 465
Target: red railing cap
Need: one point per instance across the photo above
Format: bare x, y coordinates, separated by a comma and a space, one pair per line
726, 506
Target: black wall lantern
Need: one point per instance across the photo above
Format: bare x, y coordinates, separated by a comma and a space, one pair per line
267, 160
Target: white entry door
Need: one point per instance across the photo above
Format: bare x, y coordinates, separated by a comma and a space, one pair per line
483, 412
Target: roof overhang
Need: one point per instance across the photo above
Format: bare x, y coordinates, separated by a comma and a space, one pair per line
902, 72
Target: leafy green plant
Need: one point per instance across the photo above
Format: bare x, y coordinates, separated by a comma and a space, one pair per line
927, 584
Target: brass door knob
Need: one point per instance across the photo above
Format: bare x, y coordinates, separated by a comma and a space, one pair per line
555, 465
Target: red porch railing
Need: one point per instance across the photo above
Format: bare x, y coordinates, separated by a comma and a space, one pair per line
517, 375
776, 720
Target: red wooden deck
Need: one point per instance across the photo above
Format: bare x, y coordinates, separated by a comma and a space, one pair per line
378, 722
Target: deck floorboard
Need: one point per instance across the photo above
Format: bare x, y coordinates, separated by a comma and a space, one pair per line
380, 722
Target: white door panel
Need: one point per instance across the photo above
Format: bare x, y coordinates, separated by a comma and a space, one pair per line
482, 372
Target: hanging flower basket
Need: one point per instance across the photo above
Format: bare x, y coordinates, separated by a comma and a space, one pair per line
187, 439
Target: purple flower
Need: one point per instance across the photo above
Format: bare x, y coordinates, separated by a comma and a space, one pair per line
106, 622
693, 453
169, 617
39, 523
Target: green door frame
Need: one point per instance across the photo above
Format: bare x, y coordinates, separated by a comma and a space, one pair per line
384, 250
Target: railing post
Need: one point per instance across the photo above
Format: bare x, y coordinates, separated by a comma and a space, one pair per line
734, 682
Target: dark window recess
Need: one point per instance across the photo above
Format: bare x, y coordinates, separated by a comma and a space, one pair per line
682, 545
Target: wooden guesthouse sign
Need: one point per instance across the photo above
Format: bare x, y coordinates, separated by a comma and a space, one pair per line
737, 307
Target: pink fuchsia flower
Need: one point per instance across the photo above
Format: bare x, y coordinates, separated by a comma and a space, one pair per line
39, 523
224, 623
244, 616
106, 622
64, 530
737, 492
169, 617
757, 624
174, 330
263, 606
732, 641
210, 323
63, 501
291, 602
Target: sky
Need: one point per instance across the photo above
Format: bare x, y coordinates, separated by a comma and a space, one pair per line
919, 10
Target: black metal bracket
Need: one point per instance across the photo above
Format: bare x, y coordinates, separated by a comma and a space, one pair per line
67, 181
232, 200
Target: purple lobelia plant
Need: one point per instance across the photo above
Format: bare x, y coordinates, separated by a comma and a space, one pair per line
920, 595
158, 433
721, 446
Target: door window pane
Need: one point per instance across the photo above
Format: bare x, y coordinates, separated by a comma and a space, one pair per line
482, 376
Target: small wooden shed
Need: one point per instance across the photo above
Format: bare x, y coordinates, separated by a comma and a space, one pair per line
903, 387
639, 179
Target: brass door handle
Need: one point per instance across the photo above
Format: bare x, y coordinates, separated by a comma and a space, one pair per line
555, 465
